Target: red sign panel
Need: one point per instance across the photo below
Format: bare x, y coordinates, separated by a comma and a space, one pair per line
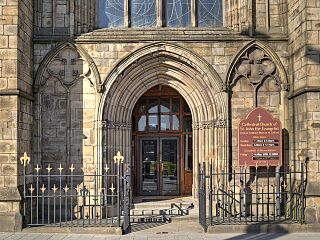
259, 139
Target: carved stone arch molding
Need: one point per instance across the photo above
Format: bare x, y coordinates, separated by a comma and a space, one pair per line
257, 62
184, 71
66, 90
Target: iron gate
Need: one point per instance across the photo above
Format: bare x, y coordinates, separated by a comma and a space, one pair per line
245, 195
73, 196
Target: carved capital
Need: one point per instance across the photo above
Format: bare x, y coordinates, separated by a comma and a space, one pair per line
99, 88
118, 125
286, 87
221, 123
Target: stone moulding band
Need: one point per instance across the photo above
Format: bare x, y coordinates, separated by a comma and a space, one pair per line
115, 125
221, 123
17, 93
303, 91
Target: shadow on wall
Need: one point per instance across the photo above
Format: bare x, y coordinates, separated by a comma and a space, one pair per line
313, 54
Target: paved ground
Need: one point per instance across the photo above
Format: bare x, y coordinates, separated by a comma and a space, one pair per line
147, 236
182, 230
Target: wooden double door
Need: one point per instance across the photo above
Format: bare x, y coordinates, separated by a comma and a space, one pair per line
159, 166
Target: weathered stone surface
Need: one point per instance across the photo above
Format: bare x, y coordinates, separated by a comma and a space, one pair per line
311, 215
313, 189
9, 194
10, 221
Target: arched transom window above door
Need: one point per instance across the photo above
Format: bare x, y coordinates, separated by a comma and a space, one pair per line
160, 13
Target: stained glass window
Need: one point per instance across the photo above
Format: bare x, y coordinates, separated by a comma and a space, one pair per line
178, 13
111, 13
143, 13
209, 13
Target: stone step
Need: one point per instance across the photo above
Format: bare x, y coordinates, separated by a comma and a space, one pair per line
161, 205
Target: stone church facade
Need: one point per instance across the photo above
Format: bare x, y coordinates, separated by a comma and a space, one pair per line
70, 84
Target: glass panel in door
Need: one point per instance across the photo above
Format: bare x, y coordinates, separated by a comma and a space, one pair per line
149, 155
169, 166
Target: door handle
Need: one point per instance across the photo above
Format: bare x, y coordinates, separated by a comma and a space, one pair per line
161, 167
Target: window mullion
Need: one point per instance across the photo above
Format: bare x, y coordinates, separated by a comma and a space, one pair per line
126, 13
160, 11
193, 13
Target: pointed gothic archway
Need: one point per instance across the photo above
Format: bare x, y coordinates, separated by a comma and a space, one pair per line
180, 69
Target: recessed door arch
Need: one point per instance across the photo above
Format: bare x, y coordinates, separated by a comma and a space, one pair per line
169, 65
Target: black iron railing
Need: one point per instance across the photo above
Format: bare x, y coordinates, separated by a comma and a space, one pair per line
245, 195
67, 197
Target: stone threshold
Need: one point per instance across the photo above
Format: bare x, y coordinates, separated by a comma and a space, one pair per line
264, 228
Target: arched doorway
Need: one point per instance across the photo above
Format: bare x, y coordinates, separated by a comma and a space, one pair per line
180, 69
162, 144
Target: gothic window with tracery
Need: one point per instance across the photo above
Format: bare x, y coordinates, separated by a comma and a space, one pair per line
166, 13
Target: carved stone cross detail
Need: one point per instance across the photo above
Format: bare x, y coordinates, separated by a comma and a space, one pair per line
67, 66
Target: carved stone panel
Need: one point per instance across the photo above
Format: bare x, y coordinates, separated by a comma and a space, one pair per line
67, 109
255, 66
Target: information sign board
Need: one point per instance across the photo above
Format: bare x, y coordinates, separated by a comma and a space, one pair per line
259, 139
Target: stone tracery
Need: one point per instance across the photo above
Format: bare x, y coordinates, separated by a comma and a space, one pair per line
65, 93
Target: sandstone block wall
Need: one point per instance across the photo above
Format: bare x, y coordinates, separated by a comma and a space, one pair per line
304, 105
16, 31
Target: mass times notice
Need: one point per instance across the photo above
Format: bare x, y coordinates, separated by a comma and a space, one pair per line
259, 139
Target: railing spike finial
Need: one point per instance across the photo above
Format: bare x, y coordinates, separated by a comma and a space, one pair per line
25, 160
49, 168
54, 188
31, 188
106, 168
42, 188
37, 168
284, 185
72, 168
60, 168
118, 158
112, 188
66, 188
